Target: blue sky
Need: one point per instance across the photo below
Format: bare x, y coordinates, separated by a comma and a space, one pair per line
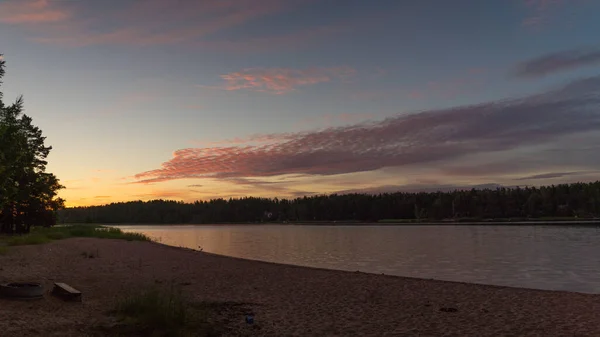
198, 99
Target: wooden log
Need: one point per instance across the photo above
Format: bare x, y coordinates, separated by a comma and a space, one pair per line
66, 292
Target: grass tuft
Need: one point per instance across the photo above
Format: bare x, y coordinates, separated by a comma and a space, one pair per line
3, 250
163, 313
30, 239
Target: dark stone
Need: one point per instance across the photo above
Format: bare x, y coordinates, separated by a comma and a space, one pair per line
448, 309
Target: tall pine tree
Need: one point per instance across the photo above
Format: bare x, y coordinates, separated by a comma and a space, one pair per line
27, 193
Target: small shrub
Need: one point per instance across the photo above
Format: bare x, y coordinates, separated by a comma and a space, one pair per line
135, 237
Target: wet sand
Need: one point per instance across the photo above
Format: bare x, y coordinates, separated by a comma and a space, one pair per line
286, 300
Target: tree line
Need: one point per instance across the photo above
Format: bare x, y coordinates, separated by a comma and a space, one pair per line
27, 191
581, 200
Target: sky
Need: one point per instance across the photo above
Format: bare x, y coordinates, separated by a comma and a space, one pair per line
196, 99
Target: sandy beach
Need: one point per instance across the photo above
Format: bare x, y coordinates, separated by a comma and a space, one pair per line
286, 300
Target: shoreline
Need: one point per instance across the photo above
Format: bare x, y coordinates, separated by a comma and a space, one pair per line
287, 300
401, 277
584, 223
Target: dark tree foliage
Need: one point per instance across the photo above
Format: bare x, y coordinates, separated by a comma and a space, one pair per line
27, 192
580, 200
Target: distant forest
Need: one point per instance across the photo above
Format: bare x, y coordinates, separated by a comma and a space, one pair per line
580, 200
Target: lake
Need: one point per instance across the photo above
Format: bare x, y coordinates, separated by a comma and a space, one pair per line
543, 257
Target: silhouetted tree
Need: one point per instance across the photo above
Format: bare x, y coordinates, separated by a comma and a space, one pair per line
566, 200
27, 192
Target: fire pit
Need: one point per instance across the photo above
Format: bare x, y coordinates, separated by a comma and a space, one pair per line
22, 290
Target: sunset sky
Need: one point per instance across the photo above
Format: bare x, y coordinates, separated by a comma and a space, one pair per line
199, 99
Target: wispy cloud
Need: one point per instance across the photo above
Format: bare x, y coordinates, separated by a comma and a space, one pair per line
557, 62
194, 24
140, 23
541, 11
32, 12
289, 41
536, 164
280, 188
407, 139
415, 188
551, 175
165, 195
282, 80
254, 139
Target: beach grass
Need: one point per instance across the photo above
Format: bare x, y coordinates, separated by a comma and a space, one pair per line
40, 235
163, 311
29, 239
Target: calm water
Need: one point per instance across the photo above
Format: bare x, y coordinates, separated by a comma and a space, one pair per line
543, 257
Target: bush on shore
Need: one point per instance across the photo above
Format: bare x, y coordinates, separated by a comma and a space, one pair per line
44, 235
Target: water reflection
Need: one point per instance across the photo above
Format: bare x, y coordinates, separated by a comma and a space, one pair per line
544, 257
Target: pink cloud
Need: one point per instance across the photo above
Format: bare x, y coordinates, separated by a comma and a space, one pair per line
141, 23
32, 12
190, 23
282, 80
407, 139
